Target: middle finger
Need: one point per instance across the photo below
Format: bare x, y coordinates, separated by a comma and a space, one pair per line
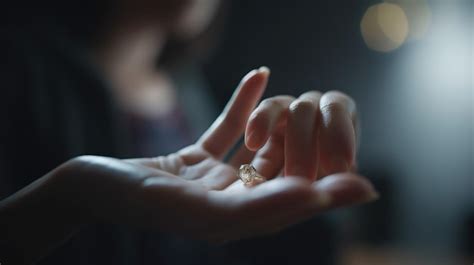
301, 137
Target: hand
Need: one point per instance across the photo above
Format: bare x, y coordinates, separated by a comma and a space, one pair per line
191, 192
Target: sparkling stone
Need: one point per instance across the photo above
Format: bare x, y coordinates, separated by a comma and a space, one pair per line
247, 173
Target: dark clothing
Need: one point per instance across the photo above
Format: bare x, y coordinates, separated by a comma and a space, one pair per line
54, 105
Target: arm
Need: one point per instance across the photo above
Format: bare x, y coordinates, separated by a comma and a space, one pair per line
35, 220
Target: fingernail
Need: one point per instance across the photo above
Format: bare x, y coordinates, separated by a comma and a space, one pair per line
264, 69
248, 76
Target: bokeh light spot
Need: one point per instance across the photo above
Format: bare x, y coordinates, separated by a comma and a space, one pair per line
384, 27
418, 13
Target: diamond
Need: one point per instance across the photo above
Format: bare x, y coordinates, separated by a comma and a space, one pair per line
247, 173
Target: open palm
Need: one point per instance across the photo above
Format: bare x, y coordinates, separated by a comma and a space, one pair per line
195, 193
298, 145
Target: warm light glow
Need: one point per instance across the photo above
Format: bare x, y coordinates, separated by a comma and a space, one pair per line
384, 27
418, 13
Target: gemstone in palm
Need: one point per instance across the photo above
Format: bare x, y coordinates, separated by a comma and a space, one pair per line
248, 174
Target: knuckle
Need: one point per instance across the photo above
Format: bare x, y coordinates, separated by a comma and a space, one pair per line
267, 103
301, 105
284, 98
272, 103
333, 106
336, 93
340, 97
259, 116
271, 108
312, 94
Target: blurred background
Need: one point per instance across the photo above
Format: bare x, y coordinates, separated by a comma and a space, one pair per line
407, 63
409, 66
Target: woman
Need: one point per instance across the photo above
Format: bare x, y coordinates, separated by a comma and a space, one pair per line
73, 89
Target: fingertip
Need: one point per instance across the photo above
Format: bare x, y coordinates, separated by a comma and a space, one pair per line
347, 189
249, 75
259, 75
250, 142
261, 71
251, 145
258, 128
255, 139
264, 70
256, 81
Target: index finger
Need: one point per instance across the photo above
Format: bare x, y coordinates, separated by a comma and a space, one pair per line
229, 126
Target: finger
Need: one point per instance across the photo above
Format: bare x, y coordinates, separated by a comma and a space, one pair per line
334, 191
301, 140
315, 96
229, 126
344, 189
337, 138
264, 119
295, 199
266, 132
270, 158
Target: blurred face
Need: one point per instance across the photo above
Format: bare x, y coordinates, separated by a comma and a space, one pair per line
181, 18
195, 18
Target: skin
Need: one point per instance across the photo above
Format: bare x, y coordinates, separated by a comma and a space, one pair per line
193, 192
304, 146
298, 131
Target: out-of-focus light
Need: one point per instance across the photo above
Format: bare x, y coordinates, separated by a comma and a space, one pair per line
418, 13
384, 27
